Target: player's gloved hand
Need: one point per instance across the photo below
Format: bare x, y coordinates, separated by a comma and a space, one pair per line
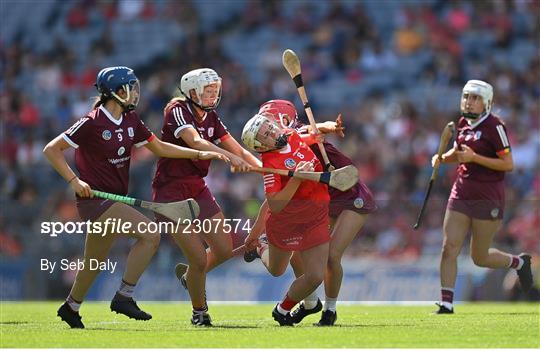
466, 155
305, 166
207, 155
81, 188
239, 165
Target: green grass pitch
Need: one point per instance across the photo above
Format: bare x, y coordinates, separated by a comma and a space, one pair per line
34, 324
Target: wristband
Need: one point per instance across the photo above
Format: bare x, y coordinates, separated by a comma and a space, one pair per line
73, 178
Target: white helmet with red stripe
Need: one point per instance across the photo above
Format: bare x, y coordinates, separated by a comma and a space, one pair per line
282, 111
262, 134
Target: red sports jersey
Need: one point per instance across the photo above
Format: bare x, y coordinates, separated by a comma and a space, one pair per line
103, 148
177, 117
296, 151
487, 139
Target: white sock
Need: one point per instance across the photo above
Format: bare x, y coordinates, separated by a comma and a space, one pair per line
311, 300
520, 264
126, 289
265, 255
330, 304
73, 304
447, 305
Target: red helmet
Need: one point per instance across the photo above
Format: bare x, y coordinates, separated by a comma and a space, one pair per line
282, 111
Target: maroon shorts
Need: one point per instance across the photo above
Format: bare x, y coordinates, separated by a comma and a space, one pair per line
358, 199
187, 188
477, 199
92, 208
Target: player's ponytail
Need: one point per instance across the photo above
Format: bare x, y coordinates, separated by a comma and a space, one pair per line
98, 101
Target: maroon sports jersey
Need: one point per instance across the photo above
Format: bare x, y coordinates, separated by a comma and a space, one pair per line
103, 148
488, 139
177, 117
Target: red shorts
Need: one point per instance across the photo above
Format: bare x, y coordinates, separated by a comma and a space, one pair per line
92, 208
179, 190
358, 199
477, 199
298, 235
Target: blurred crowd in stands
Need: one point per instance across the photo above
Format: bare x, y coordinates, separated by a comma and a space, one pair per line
394, 69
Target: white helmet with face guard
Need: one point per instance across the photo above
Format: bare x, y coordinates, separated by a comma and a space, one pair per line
262, 134
197, 80
482, 89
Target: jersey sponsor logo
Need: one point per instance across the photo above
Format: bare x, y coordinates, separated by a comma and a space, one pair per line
131, 133
106, 134
210, 132
290, 163
121, 150
358, 203
115, 161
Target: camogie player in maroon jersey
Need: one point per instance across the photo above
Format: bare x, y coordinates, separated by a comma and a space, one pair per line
192, 121
348, 211
298, 210
103, 140
476, 201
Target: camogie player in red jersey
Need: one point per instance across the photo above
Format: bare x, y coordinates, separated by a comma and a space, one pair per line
103, 140
476, 201
298, 215
192, 121
348, 211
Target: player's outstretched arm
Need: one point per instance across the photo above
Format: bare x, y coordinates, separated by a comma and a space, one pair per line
168, 150
231, 145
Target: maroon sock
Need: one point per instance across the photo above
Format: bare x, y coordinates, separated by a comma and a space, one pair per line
447, 295
288, 303
515, 262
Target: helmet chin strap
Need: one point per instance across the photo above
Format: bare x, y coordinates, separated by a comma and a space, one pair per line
122, 102
473, 116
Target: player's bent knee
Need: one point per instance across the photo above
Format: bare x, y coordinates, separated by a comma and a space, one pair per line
277, 271
450, 251
480, 261
334, 261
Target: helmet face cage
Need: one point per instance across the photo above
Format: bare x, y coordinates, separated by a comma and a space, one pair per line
197, 80
282, 111
262, 134
110, 80
479, 88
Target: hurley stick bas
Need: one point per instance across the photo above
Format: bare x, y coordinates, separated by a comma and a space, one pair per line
186, 209
342, 178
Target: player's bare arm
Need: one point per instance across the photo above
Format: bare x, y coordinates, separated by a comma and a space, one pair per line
447, 158
54, 151
503, 163
230, 144
331, 127
168, 150
193, 140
